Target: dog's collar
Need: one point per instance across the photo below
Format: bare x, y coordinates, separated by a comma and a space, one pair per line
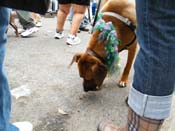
93, 53
121, 18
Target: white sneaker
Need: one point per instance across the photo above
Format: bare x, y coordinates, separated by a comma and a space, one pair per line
38, 24
73, 40
20, 30
24, 126
59, 35
29, 32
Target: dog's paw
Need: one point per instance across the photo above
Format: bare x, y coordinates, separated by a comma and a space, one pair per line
122, 84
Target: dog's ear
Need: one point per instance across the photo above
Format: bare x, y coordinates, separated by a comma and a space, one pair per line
75, 58
99, 73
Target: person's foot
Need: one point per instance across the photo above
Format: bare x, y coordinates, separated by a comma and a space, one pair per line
73, 40
20, 126
83, 29
59, 35
78, 31
109, 126
20, 30
29, 32
38, 24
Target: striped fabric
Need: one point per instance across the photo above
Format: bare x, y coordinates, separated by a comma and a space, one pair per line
137, 123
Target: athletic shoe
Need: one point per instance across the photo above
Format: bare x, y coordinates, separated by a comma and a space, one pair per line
23, 126
73, 40
20, 30
38, 24
29, 32
84, 29
59, 35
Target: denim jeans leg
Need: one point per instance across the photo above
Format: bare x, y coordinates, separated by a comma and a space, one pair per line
5, 96
154, 79
5, 99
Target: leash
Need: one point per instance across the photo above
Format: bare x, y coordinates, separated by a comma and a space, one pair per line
89, 16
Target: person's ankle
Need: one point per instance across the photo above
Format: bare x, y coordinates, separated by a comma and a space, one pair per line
59, 31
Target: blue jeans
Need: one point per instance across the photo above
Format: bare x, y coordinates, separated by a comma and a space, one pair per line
5, 96
93, 7
154, 79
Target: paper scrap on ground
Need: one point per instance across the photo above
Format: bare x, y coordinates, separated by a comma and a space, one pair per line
62, 112
21, 91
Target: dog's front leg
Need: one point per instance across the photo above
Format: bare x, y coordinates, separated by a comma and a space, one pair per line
131, 54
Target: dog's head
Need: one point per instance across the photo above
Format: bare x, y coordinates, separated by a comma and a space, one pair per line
91, 69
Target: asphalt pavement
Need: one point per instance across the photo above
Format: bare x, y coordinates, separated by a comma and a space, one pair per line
56, 100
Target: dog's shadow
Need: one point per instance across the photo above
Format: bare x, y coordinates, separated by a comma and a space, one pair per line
108, 91
90, 97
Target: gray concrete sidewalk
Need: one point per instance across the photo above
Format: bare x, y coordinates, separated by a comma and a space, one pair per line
41, 64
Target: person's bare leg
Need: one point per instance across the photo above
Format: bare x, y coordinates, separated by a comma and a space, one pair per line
36, 17
79, 11
61, 16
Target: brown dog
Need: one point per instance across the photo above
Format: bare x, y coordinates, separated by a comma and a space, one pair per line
92, 63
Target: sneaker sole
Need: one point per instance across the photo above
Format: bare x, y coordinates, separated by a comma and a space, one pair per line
25, 36
24, 126
58, 37
72, 44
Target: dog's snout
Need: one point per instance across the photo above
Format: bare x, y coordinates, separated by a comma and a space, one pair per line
89, 85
